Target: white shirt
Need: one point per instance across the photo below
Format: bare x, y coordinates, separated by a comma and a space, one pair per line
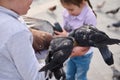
17, 57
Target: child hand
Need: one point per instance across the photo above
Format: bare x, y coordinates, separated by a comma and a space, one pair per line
79, 51
60, 34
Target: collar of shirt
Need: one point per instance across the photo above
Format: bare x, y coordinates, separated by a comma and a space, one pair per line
80, 16
12, 13
9, 12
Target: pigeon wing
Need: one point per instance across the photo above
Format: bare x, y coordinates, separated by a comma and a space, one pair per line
106, 54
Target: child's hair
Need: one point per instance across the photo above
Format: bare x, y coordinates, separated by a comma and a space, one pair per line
89, 3
77, 3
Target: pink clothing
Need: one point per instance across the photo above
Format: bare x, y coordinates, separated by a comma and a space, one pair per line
85, 17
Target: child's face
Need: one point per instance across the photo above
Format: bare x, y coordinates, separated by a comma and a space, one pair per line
73, 9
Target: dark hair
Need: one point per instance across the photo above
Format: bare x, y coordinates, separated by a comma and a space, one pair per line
89, 3
77, 3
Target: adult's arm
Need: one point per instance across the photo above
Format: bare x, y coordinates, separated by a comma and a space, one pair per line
23, 56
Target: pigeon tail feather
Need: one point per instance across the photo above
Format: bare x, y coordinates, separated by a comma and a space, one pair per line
107, 55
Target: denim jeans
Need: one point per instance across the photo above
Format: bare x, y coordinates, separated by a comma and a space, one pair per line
77, 67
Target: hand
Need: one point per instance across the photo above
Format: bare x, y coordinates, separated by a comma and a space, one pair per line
41, 39
60, 34
79, 51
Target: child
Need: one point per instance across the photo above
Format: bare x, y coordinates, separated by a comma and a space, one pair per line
76, 14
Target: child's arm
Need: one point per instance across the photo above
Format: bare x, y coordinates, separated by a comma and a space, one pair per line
79, 51
61, 34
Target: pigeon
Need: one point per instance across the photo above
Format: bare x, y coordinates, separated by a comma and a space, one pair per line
59, 51
88, 35
42, 25
53, 8
106, 54
38, 24
116, 73
99, 6
51, 11
116, 25
114, 11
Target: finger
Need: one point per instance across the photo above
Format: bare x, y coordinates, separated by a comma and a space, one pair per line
57, 32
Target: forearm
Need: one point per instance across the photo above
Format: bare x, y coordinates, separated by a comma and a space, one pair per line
79, 51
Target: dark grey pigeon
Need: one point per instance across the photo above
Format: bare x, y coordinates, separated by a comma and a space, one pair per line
116, 73
106, 54
87, 35
116, 25
113, 11
59, 51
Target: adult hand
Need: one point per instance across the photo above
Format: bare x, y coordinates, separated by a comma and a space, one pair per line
41, 39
